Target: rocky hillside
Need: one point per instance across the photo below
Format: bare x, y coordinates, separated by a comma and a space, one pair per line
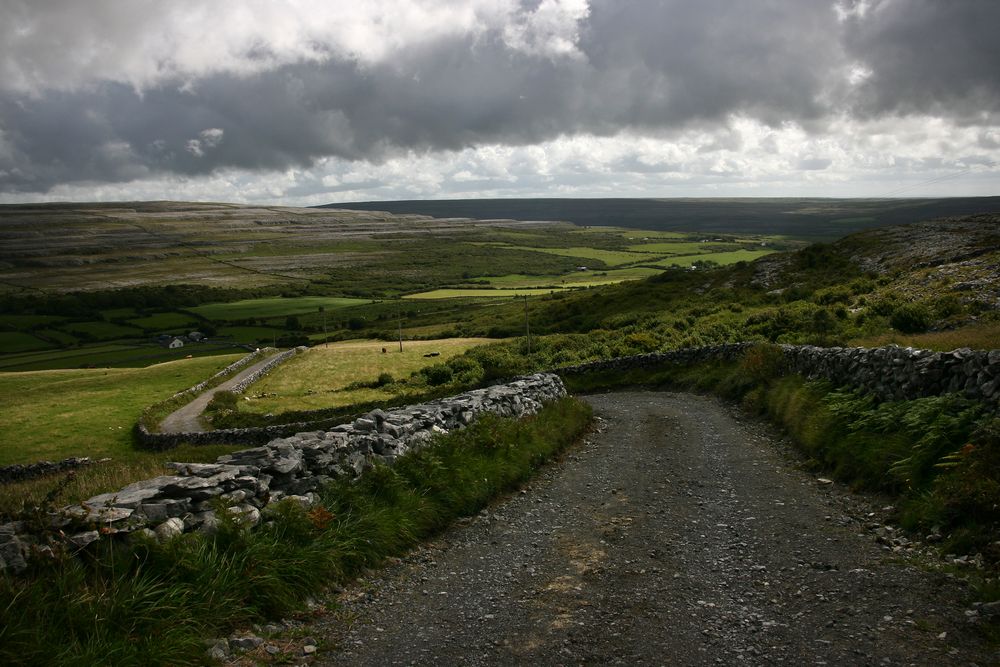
935, 258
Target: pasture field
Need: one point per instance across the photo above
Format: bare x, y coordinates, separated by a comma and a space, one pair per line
318, 378
101, 330
482, 293
721, 258
684, 247
18, 341
609, 257
22, 322
272, 307
106, 355
87, 412
110, 314
60, 337
169, 321
248, 334
575, 279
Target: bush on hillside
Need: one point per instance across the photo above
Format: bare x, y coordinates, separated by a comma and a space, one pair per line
911, 318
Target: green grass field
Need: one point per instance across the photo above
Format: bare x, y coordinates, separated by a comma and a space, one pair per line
316, 379
87, 412
481, 293
272, 307
721, 258
574, 279
683, 248
608, 257
170, 321
101, 330
22, 322
60, 337
17, 341
249, 334
106, 355
119, 314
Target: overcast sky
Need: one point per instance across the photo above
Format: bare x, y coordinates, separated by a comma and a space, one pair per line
302, 102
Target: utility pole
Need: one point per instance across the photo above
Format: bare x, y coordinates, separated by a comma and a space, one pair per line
323, 310
527, 326
399, 321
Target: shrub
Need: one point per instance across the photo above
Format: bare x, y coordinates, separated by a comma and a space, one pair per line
437, 374
911, 318
222, 401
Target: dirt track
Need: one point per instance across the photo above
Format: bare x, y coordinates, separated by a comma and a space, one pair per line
187, 418
677, 534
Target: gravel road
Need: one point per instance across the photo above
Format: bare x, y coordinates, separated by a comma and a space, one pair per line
187, 419
676, 534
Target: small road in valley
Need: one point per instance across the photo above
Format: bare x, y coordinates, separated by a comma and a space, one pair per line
188, 418
677, 533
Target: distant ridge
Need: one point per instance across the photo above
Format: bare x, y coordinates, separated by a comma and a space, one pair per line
807, 217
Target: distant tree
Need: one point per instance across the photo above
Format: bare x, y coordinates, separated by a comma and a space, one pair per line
292, 323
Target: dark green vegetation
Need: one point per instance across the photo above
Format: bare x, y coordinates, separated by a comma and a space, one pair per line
148, 603
75, 279
935, 283
803, 218
938, 456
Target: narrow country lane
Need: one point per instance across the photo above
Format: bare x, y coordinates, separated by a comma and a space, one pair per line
677, 534
187, 418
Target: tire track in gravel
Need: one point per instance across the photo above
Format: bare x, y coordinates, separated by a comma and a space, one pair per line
676, 534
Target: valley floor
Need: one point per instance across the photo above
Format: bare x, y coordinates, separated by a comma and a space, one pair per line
677, 534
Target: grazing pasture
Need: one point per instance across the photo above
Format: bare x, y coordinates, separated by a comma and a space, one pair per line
320, 377
272, 307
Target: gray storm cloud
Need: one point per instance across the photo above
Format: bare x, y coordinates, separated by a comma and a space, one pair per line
652, 67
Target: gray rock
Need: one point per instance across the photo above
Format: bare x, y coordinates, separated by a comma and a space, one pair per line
162, 510
169, 529
80, 540
245, 643
245, 514
133, 494
11, 550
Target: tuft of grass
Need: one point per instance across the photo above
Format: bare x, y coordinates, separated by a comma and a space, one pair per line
149, 603
984, 336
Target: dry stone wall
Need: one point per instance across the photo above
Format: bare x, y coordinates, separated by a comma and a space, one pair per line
277, 359
242, 436
246, 482
890, 373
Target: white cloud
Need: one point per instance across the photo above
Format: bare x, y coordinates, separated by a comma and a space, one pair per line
852, 159
67, 45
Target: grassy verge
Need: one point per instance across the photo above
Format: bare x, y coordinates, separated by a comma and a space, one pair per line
938, 456
149, 603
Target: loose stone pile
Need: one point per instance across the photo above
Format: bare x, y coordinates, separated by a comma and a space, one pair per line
246, 482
